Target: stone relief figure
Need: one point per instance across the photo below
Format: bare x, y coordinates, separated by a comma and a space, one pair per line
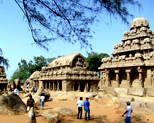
103, 78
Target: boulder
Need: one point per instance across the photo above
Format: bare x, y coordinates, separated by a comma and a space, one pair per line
31, 116
137, 92
11, 104
65, 111
51, 116
45, 92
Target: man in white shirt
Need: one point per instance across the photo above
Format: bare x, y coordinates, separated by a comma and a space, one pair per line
42, 98
128, 112
80, 104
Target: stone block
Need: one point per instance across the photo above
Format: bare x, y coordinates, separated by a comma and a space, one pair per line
136, 92
150, 92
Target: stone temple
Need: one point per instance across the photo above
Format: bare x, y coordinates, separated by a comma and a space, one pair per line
67, 73
132, 64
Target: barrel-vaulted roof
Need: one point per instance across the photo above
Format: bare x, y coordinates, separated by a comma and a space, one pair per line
65, 61
36, 74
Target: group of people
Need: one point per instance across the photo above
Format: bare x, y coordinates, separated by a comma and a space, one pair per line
86, 105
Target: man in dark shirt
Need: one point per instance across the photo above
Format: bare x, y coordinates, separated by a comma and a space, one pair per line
30, 102
86, 108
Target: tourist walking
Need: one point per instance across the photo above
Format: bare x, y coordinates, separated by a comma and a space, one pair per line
42, 99
30, 102
80, 104
128, 112
86, 108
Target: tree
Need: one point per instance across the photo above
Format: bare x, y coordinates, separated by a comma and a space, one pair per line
94, 60
3, 60
25, 69
69, 20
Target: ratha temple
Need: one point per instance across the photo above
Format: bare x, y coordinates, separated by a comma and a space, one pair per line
132, 64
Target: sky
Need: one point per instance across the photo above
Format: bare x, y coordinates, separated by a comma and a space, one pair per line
16, 41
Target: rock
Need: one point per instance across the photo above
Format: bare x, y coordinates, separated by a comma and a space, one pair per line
136, 91
121, 91
150, 106
11, 104
150, 92
51, 116
26, 95
65, 111
31, 116
45, 92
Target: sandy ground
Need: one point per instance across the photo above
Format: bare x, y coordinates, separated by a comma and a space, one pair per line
99, 114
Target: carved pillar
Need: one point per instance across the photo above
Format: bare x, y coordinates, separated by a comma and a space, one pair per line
57, 85
117, 77
128, 77
86, 87
49, 85
107, 78
140, 76
79, 86
53, 85
40, 84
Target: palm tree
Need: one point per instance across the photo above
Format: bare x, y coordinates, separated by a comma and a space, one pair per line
3, 60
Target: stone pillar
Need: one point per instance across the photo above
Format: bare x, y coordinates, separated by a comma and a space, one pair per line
128, 77
86, 87
49, 85
117, 78
53, 86
107, 78
41, 84
140, 76
64, 82
57, 85
79, 87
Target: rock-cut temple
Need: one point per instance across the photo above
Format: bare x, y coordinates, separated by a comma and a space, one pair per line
132, 64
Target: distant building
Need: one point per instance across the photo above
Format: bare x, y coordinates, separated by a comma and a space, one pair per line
67, 73
132, 64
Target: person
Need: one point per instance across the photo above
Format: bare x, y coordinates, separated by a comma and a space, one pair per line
86, 108
6, 92
128, 112
15, 91
80, 104
42, 98
33, 90
30, 102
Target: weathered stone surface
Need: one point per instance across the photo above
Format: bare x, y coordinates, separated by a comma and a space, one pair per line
51, 116
150, 92
121, 91
137, 91
31, 116
11, 104
65, 111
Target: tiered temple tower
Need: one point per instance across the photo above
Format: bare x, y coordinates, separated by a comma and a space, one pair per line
132, 64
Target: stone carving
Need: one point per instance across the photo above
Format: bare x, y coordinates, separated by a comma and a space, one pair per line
133, 57
67, 73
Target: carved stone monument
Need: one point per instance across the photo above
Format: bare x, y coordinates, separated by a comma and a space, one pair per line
67, 73
132, 64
